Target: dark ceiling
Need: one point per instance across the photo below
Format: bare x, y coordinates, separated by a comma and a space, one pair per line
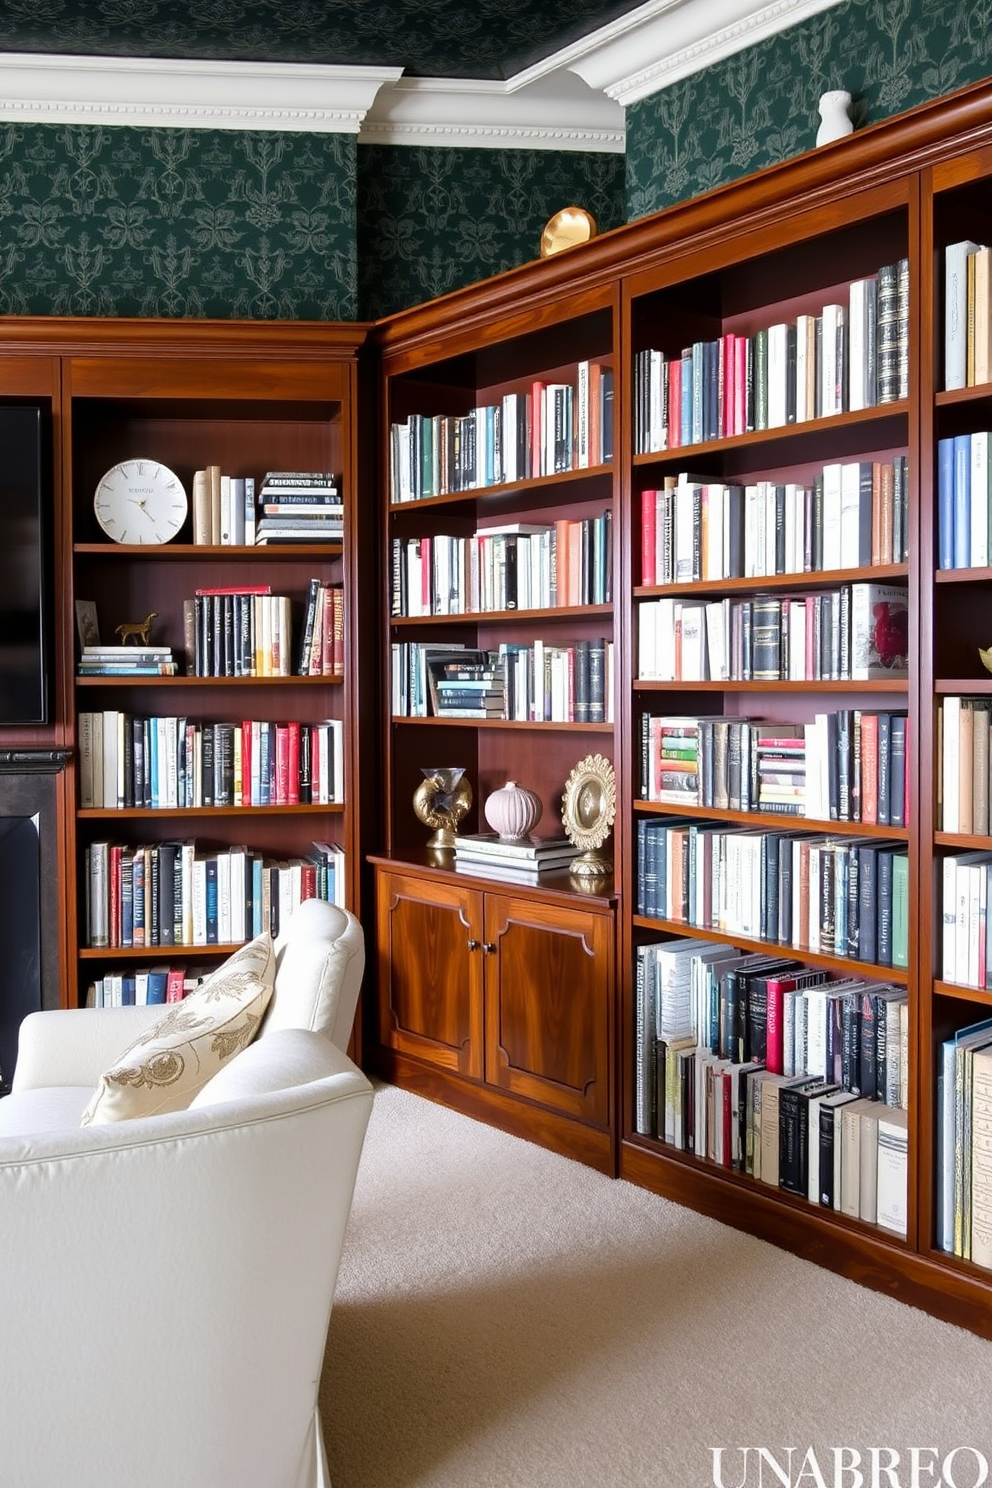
491, 39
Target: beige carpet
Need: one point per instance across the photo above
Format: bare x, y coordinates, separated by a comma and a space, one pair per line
507, 1317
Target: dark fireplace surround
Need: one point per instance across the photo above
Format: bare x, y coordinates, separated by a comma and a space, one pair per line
29, 893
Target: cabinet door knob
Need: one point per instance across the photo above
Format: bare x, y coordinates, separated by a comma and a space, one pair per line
489, 948
473, 945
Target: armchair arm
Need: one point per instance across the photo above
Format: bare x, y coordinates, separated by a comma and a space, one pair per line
74, 1046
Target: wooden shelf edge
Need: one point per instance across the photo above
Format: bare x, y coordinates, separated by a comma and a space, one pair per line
850, 967
851, 418
818, 579
513, 488
777, 820
867, 1257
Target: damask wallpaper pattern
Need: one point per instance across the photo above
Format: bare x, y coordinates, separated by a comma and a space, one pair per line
168, 222
432, 220
759, 107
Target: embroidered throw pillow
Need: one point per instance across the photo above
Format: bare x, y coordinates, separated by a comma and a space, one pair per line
165, 1067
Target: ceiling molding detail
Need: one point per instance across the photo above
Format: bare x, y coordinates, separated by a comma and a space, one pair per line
667, 40
166, 94
573, 100
558, 113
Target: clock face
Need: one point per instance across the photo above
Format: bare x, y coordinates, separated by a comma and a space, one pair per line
140, 501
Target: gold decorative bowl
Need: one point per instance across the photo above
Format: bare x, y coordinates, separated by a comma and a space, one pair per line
986, 657
566, 229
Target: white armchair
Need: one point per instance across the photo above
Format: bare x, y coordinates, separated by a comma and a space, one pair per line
62, 1053
167, 1281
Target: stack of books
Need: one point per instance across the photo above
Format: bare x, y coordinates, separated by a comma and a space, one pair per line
523, 862
130, 661
299, 506
469, 686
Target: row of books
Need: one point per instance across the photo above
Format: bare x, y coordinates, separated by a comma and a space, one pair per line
776, 1011
737, 1054
299, 506
967, 314
321, 651
848, 356
179, 893
853, 515
238, 632
148, 986
223, 508
966, 951
517, 567
849, 765
964, 501
835, 896
964, 1144
549, 428
173, 763
858, 632
529, 683
964, 762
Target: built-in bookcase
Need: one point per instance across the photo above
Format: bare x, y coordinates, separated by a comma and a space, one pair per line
500, 536
747, 515
249, 399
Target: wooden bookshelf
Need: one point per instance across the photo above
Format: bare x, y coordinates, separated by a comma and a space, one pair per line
782, 244
249, 398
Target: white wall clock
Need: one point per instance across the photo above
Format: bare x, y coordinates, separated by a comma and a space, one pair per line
140, 501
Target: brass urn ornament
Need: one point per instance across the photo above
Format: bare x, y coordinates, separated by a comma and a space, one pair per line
589, 807
440, 801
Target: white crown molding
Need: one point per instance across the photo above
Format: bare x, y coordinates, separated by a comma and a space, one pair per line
664, 41
573, 100
167, 94
558, 112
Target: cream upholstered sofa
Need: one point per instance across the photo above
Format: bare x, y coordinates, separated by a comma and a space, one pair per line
166, 1282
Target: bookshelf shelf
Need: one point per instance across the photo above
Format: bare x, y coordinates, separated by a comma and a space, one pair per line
725, 937
183, 682
134, 813
885, 685
516, 493
208, 551
552, 616
959, 992
775, 821
118, 954
884, 422
487, 724
808, 581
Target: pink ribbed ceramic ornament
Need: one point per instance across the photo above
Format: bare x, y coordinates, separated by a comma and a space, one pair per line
513, 811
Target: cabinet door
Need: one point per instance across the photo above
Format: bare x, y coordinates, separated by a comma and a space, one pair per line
549, 991
430, 971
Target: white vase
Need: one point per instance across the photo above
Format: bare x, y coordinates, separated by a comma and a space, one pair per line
513, 811
834, 116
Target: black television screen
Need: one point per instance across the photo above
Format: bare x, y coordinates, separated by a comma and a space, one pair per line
23, 574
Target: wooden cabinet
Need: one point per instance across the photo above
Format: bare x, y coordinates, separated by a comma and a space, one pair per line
510, 991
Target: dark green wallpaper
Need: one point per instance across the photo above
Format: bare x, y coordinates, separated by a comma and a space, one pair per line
432, 220
172, 222
759, 107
